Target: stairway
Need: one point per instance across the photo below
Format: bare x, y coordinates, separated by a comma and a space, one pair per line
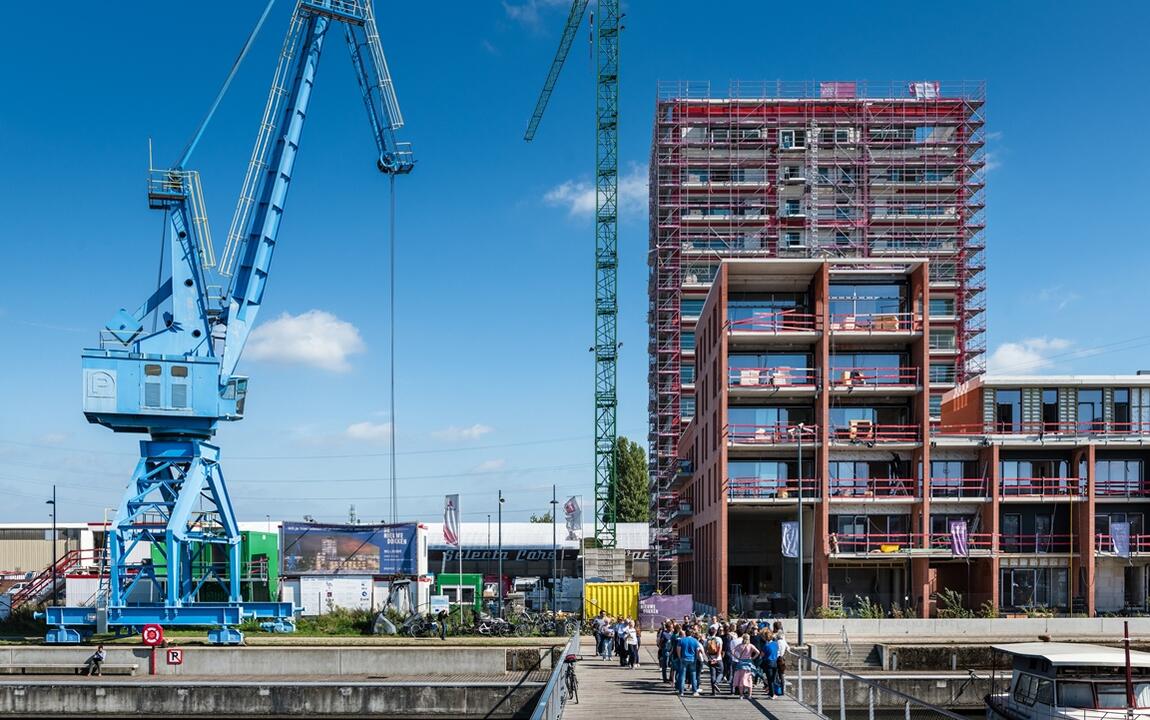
863, 658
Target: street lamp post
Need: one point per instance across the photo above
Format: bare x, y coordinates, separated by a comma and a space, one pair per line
499, 576
802, 428
52, 502
554, 545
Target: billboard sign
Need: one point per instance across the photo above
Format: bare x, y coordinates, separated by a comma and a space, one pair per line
321, 595
320, 549
654, 609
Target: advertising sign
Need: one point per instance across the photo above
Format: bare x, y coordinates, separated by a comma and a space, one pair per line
318, 549
440, 603
654, 609
320, 595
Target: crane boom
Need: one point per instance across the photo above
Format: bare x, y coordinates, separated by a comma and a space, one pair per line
574, 20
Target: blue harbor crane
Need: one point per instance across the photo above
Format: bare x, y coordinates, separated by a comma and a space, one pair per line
607, 26
168, 368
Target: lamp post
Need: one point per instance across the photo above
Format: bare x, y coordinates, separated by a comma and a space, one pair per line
554, 545
52, 502
499, 576
799, 594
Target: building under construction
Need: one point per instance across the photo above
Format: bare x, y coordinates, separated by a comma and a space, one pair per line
807, 170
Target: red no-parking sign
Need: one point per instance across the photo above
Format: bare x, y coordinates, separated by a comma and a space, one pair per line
152, 635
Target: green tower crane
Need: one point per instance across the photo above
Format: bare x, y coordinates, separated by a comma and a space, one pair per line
606, 347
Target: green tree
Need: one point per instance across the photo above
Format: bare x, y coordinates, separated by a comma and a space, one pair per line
631, 498
544, 518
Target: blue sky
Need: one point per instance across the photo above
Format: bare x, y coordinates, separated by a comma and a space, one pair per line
495, 251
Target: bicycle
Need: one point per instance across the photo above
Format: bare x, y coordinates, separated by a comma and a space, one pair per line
569, 680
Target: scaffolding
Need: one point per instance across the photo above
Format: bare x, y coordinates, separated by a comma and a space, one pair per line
816, 170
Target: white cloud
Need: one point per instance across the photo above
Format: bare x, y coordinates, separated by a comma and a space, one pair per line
54, 438
1058, 296
490, 465
369, 432
456, 434
578, 196
993, 161
1026, 356
315, 338
527, 12
489, 46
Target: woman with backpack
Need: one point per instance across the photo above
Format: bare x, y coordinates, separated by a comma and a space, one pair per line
713, 652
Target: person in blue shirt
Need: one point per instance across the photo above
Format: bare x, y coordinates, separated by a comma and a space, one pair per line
664, 642
771, 664
688, 649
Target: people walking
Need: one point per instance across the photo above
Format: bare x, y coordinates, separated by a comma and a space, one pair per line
631, 643
621, 641
744, 655
603, 635
688, 649
713, 649
663, 644
771, 665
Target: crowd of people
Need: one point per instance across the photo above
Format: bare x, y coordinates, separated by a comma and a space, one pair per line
736, 654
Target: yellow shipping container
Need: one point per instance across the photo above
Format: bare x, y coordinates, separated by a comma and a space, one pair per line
617, 599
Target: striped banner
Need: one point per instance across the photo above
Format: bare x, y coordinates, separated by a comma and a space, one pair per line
451, 520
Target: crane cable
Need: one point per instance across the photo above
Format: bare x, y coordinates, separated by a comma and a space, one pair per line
391, 362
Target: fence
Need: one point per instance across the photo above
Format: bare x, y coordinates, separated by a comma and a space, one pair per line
831, 692
554, 695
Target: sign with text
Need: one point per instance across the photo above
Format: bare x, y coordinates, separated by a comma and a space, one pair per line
175, 656
654, 609
320, 549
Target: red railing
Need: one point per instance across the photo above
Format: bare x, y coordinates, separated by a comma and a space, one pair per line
771, 377
1044, 428
768, 434
958, 487
1104, 543
875, 322
874, 487
885, 543
1125, 488
1036, 543
768, 489
866, 431
781, 321
1041, 487
974, 541
42, 584
874, 376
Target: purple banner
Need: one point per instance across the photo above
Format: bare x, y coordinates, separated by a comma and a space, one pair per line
654, 609
959, 542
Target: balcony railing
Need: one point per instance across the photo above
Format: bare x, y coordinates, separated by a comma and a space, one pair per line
875, 322
1104, 543
874, 487
874, 376
770, 489
768, 434
774, 322
865, 431
682, 510
683, 546
1042, 487
958, 487
881, 543
974, 541
1121, 488
1034, 543
771, 377
1070, 429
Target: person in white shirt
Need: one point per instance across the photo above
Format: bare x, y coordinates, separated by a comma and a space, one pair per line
632, 640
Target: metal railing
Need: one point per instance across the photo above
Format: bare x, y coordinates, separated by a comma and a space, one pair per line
875, 322
1042, 487
958, 487
782, 321
769, 488
554, 696
867, 431
822, 688
774, 377
875, 487
873, 376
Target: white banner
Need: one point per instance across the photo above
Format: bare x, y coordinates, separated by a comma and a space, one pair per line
1120, 537
574, 515
451, 520
791, 539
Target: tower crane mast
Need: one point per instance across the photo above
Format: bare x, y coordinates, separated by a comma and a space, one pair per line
606, 349
174, 378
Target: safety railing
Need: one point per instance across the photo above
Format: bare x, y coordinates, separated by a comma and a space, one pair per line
864, 431
958, 487
775, 377
874, 487
884, 543
555, 694
1124, 488
875, 322
773, 322
771, 489
874, 376
974, 541
49, 580
767, 434
1046, 429
1034, 543
1042, 487
1104, 543
831, 693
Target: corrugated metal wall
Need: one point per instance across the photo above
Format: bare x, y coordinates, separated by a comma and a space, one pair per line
31, 555
618, 599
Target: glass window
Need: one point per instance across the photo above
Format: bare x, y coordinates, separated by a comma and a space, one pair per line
691, 307
760, 311
179, 371
942, 372
935, 402
687, 374
1090, 410
1050, 409
791, 207
1122, 409
687, 407
789, 139
869, 369
792, 238
794, 172
1111, 695
1008, 409
1045, 692
687, 341
942, 307
1075, 694
848, 300
152, 370
942, 339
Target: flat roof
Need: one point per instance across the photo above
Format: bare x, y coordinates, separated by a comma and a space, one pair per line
1064, 654
996, 381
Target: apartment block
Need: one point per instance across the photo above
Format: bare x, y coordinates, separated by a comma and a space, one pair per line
812, 391
823, 170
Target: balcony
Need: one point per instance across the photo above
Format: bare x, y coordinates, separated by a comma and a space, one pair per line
769, 434
776, 380
875, 323
874, 488
1121, 488
682, 511
977, 543
1030, 488
1104, 544
875, 379
771, 490
768, 323
958, 488
1050, 430
683, 547
859, 431
1034, 543
873, 543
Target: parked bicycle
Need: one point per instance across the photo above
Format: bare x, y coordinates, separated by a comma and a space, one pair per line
570, 682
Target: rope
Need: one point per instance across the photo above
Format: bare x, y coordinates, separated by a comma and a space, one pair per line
391, 361
191, 146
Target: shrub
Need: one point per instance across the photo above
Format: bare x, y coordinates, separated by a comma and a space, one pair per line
950, 605
825, 613
869, 610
